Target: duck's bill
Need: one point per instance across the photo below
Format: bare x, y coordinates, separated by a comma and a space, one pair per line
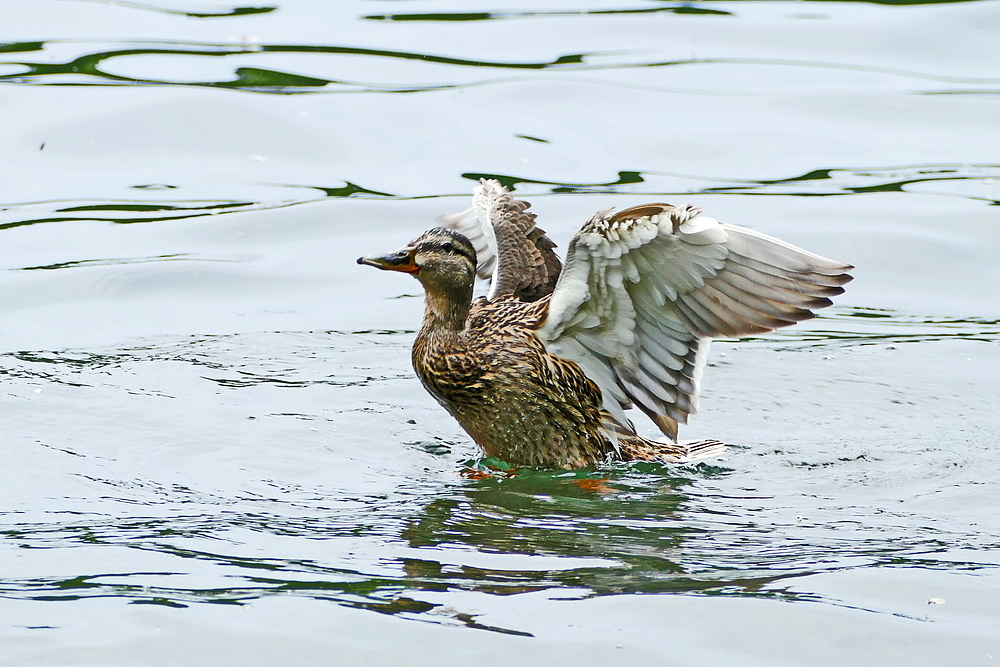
396, 261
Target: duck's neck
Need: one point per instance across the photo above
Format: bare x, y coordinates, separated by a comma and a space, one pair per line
446, 311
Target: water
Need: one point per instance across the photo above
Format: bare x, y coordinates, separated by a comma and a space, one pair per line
215, 451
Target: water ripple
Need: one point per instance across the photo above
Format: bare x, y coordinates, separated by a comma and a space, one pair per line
841, 327
124, 212
975, 182
646, 531
306, 359
88, 68
980, 182
621, 529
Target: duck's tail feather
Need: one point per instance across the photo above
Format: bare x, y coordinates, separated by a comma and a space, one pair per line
702, 449
640, 449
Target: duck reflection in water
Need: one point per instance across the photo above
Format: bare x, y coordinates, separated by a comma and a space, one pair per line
539, 530
541, 371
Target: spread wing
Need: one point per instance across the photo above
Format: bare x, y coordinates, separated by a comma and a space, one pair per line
646, 289
513, 252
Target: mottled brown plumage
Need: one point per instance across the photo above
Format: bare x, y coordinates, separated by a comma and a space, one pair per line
518, 402
531, 267
539, 372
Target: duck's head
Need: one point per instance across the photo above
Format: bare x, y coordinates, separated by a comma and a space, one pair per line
441, 259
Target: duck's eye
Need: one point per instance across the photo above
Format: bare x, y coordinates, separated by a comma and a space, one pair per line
447, 246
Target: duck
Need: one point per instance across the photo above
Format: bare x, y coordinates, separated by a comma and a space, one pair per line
542, 370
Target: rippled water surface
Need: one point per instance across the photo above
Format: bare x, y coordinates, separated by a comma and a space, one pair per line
215, 452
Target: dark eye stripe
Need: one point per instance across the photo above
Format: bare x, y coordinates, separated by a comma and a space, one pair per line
449, 246
464, 252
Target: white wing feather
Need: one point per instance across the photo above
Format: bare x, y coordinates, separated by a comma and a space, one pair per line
644, 291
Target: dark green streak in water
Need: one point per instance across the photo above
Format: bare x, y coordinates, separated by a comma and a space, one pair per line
151, 207
815, 175
235, 11
685, 8
253, 77
486, 16
569, 59
120, 221
349, 189
898, 185
105, 262
196, 211
18, 47
163, 602
906, 2
441, 16
510, 182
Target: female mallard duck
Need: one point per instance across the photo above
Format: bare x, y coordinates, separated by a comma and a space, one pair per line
541, 371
